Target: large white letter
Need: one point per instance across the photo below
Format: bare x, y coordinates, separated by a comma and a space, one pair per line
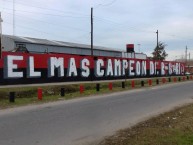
155, 68
176, 69
124, 66
138, 68
72, 70
84, 67
109, 71
179, 69
98, 64
9, 66
56, 63
143, 68
30, 69
117, 67
170, 68
151, 67
162, 68
131, 73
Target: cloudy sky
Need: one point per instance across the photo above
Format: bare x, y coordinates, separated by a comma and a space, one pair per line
116, 22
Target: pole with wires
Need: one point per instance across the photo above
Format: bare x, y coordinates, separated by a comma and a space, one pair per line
13, 17
1, 20
157, 38
92, 32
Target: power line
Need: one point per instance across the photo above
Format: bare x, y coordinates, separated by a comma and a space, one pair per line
97, 18
29, 28
55, 10
105, 5
110, 3
47, 13
176, 37
54, 24
121, 25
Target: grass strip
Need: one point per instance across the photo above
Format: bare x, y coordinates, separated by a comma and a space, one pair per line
28, 95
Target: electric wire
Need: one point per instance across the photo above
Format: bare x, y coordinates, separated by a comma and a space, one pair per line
53, 24
55, 10
40, 31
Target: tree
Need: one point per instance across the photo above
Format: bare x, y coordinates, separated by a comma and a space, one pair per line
159, 52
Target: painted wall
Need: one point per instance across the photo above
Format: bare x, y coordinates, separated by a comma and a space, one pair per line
27, 68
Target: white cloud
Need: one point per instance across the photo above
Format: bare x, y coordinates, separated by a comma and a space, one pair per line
115, 25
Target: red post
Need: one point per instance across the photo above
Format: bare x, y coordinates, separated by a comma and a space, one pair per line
39, 93
133, 84
191, 77
163, 80
110, 86
175, 79
81, 89
150, 82
184, 78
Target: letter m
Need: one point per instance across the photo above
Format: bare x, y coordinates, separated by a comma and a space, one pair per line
54, 63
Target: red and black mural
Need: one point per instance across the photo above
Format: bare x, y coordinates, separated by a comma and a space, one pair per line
28, 68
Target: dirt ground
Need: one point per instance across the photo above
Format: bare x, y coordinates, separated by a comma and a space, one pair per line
171, 128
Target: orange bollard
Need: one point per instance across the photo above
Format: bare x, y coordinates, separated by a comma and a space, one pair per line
110, 86
163, 80
133, 84
81, 89
39, 93
150, 82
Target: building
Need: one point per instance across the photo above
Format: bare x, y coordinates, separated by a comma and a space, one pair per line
35, 45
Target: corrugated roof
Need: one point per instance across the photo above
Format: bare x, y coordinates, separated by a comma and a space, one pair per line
57, 43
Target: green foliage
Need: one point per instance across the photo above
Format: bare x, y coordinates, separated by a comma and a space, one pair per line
159, 52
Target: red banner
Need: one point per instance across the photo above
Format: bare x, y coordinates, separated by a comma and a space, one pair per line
27, 68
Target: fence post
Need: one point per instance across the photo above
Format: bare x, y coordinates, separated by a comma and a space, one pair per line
179, 79
169, 79
39, 93
123, 84
12, 97
97, 87
163, 80
150, 82
133, 84
110, 86
62, 92
157, 81
81, 89
142, 83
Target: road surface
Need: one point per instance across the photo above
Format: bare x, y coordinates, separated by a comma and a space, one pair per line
88, 120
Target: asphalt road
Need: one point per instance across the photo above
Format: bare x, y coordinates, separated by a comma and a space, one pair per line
87, 120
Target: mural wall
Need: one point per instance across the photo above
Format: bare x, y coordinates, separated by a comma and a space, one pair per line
27, 68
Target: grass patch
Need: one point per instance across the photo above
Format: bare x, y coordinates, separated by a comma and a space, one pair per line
171, 128
28, 95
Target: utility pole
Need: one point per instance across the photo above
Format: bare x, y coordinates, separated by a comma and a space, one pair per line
92, 32
157, 38
1, 20
91, 38
186, 54
13, 17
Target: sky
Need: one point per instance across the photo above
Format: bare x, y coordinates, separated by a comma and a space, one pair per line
116, 22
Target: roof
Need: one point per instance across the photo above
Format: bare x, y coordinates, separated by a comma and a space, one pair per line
57, 43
